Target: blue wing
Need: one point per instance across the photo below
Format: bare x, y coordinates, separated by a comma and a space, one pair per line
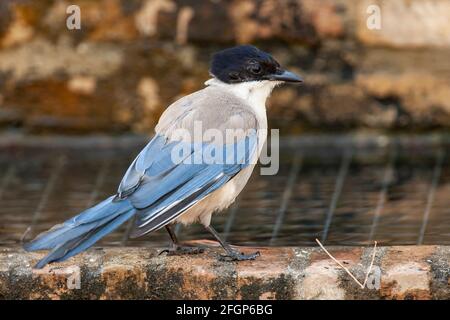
162, 184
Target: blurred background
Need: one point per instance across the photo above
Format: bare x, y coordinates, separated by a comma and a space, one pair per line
365, 152
130, 59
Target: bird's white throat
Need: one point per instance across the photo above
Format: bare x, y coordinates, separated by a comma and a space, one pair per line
255, 93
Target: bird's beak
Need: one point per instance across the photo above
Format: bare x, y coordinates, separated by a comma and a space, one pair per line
285, 76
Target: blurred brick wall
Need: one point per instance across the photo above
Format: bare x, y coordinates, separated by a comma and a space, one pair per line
132, 58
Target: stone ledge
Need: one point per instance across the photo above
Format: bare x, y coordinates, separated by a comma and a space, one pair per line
405, 272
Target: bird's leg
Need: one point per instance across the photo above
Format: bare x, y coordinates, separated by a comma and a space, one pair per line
176, 248
232, 254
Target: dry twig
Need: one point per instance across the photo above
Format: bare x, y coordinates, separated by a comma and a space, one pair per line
362, 285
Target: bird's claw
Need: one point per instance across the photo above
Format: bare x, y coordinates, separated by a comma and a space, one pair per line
180, 250
239, 256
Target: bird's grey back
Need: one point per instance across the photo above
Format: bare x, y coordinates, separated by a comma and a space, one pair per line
213, 107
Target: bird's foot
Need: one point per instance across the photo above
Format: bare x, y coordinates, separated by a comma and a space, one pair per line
182, 250
239, 256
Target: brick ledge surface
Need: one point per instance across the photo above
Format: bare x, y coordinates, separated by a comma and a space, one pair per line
400, 272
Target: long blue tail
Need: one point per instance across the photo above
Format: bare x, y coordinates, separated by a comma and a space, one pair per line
82, 231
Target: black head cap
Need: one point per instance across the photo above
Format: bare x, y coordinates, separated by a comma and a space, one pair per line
248, 63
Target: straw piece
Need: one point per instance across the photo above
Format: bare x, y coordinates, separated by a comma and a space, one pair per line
348, 271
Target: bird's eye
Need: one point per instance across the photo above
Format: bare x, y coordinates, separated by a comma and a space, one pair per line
255, 69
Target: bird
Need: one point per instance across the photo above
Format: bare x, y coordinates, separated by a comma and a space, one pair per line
171, 181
